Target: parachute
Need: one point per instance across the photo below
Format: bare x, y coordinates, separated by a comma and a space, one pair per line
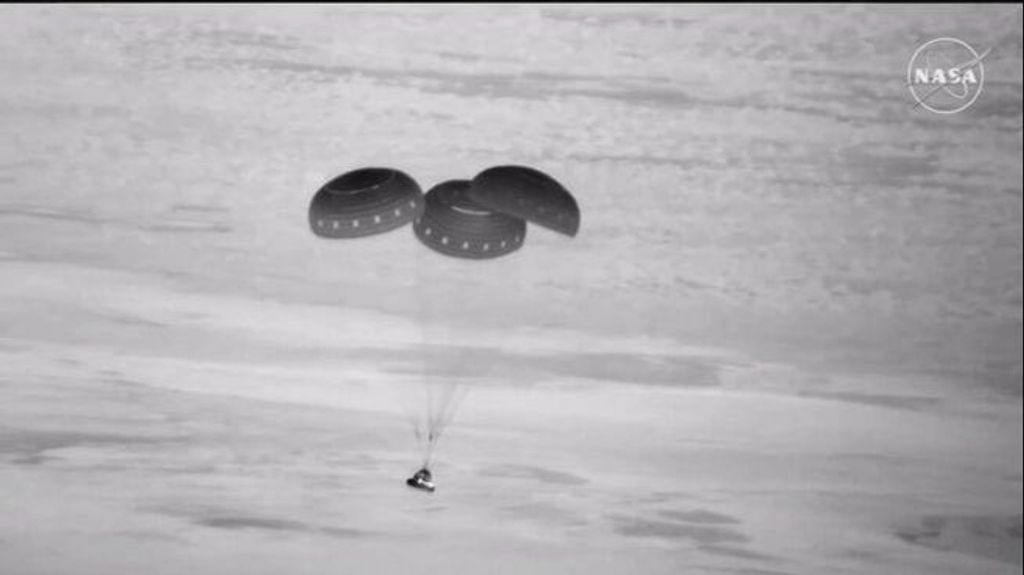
480, 219
528, 194
365, 202
456, 226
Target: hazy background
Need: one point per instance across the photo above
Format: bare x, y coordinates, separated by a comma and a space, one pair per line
786, 340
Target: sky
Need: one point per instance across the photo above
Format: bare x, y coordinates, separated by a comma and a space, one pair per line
781, 258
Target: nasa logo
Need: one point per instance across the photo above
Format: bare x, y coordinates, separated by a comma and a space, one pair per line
945, 75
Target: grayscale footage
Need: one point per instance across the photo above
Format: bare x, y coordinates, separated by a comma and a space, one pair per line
510, 289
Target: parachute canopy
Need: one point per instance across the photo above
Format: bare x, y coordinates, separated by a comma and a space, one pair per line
528, 194
482, 218
365, 202
455, 225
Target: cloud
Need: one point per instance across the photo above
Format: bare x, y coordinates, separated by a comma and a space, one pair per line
540, 474
641, 527
698, 516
